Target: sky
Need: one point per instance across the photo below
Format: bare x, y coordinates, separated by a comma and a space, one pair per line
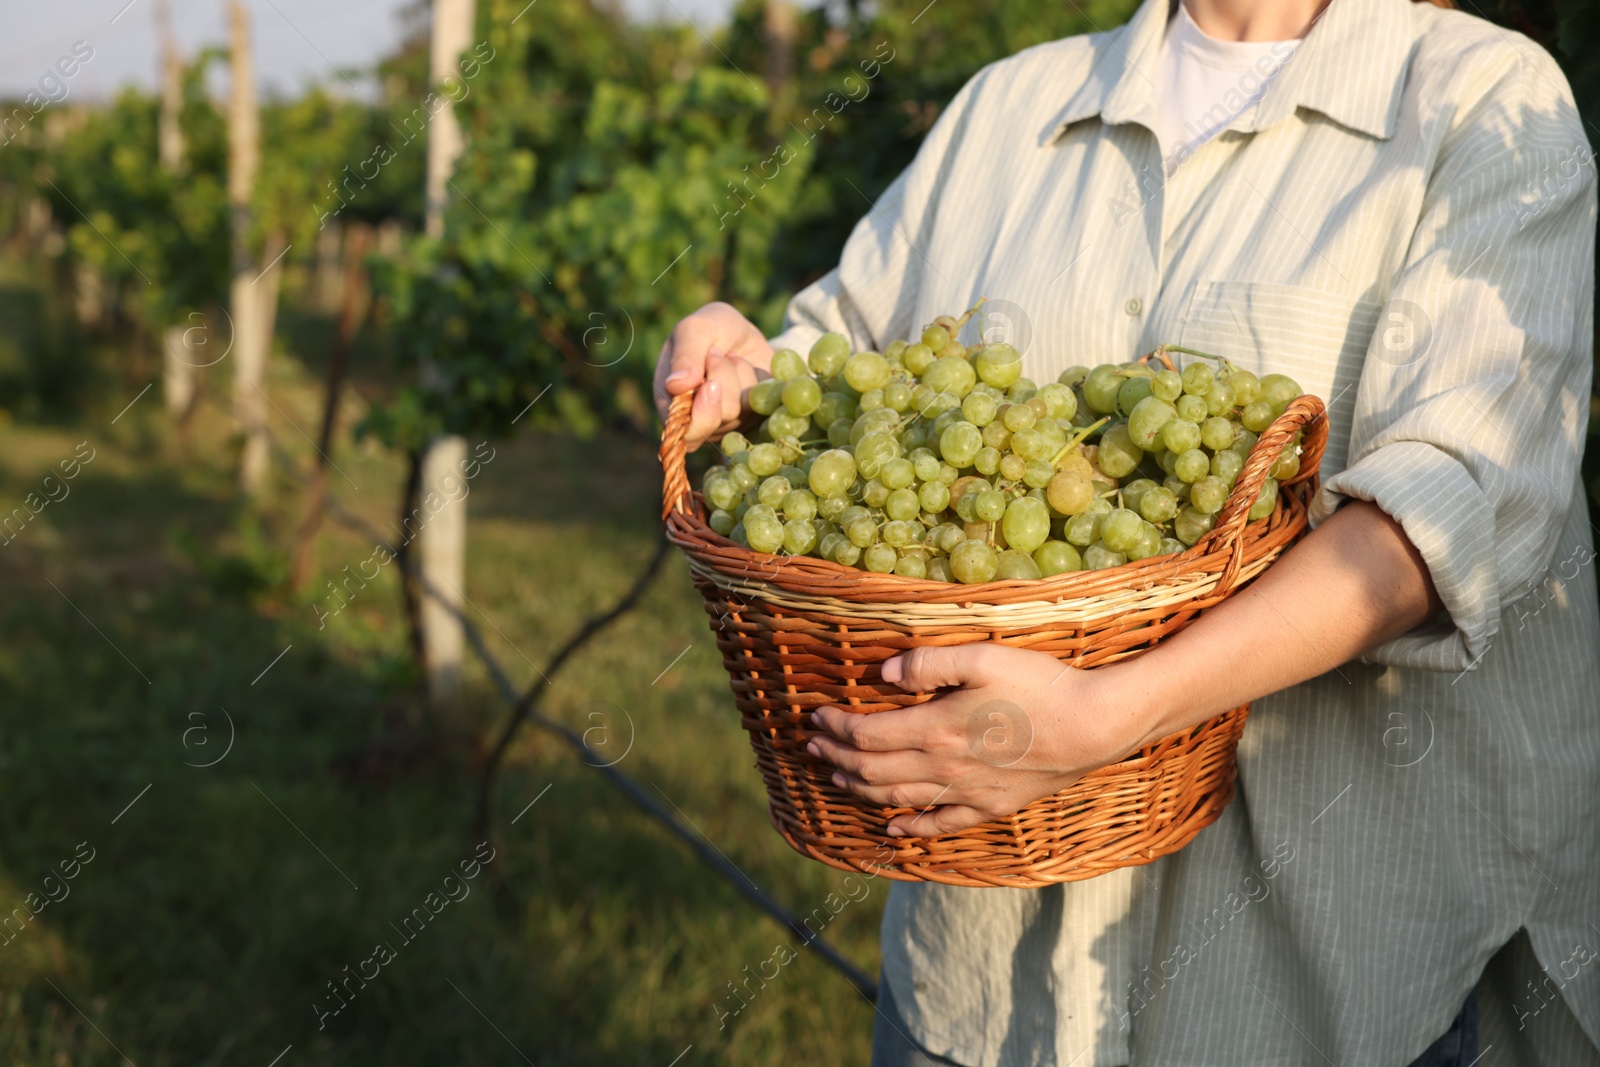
298, 42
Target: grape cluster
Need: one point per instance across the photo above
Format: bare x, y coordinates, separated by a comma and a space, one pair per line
937, 460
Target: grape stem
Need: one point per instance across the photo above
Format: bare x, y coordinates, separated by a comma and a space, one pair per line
971, 311
1078, 439
1203, 355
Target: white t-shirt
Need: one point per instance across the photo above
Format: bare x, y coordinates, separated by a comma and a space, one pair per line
1203, 83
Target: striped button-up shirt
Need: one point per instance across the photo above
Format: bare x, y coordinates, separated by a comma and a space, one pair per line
1404, 223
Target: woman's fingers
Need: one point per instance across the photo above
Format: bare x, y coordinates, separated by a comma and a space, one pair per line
882, 768
705, 416
925, 669
899, 795
882, 731
936, 821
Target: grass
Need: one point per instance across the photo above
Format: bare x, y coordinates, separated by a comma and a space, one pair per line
147, 610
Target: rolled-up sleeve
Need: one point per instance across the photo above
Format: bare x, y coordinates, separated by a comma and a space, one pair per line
869, 296
1474, 395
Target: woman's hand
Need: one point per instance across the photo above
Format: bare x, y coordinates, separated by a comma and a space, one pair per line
1021, 726
717, 354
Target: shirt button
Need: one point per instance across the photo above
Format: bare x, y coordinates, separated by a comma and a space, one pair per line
1133, 306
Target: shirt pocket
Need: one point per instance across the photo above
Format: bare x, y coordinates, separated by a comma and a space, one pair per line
1316, 337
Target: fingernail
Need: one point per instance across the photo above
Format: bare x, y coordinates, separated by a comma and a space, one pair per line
814, 748
714, 387
838, 779
895, 831
815, 720
893, 670
676, 376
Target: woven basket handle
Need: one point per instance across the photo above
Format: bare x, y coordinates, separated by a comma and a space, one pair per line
1305, 413
675, 493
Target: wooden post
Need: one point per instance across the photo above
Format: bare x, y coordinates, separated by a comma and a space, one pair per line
251, 335
178, 377
442, 545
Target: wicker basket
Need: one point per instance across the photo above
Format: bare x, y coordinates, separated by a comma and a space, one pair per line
798, 632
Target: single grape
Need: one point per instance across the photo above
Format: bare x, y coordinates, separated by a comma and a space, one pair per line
996, 436
799, 537
1278, 390
722, 521
1012, 467
1097, 557
1120, 530
1134, 491
765, 396
1057, 557
1147, 420
959, 443
939, 570
935, 337
1026, 523
1220, 399
1073, 375
918, 358
1070, 492
1191, 465
902, 504
742, 476
897, 396
911, 565
1118, 454
897, 533
1158, 505
1083, 529
773, 490
785, 423
828, 543
880, 559
1257, 416
998, 365
831, 473
1149, 543
1197, 379
846, 553
1100, 389
1246, 386
871, 400
1216, 433
1015, 564
1029, 444
1130, 392
1286, 467
1060, 402
1208, 494
1226, 465
1038, 473
866, 370
724, 494
1168, 385
786, 364
737, 535
1180, 435
1018, 417
765, 459
934, 496
990, 506
1266, 500
950, 374
979, 408
987, 461
839, 432
733, 443
765, 534
1192, 408
973, 562
1171, 546
898, 473
798, 505
1191, 525
828, 354
873, 451
862, 531
875, 494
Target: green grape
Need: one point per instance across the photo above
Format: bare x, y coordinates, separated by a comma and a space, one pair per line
765, 459
1158, 505
1130, 392
913, 436
1266, 500
861, 531
950, 374
1226, 465
875, 494
1029, 444
828, 543
998, 364
946, 419
802, 395
979, 408
897, 396
1147, 420
839, 432
773, 490
1216, 433
737, 535
1245, 443
1191, 525
1038, 474
799, 537
871, 400
786, 364
1097, 557
722, 521
846, 553
897, 533
1177, 487
1257, 416
1118, 454
1083, 529
1019, 417
1057, 557
742, 476
996, 436
831, 473
898, 473
1168, 385
866, 370
1134, 491
724, 494
926, 465
829, 354
879, 558
1191, 465
911, 565
1192, 408
935, 337
1246, 386
851, 514
973, 562
798, 505
1286, 467
763, 528
1073, 375
784, 423
944, 537
1171, 546
902, 504
1208, 494
1015, 565
959, 443
1197, 379
1180, 435
1012, 467
1149, 543
733, 443
1100, 389
1060, 402
873, 451
1278, 390
918, 358
1220, 399
765, 396
990, 505
1026, 523
987, 461
1070, 492
934, 496
1120, 530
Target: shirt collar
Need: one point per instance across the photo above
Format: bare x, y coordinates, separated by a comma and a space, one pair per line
1351, 67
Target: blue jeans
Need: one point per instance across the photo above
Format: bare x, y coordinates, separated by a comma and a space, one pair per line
892, 1048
